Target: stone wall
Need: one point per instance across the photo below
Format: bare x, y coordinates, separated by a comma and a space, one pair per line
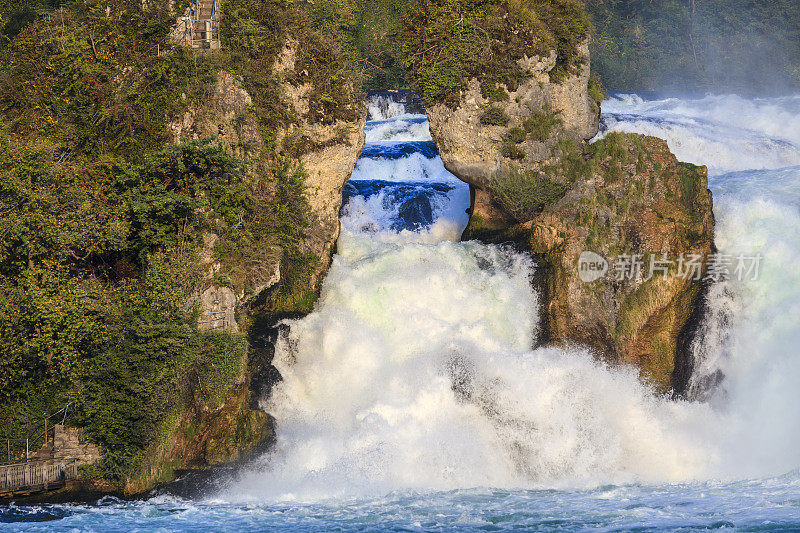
69, 443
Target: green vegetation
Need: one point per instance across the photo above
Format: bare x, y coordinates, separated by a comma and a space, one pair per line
445, 44
494, 116
540, 125
524, 195
723, 45
596, 89
511, 139
515, 135
103, 218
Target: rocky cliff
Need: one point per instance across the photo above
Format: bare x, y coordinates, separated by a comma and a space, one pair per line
214, 430
640, 215
483, 137
621, 252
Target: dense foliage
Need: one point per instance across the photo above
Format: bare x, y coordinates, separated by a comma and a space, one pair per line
719, 45
97, 262
445, 44
102, 218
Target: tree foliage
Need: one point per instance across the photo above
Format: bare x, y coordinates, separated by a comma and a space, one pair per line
445, 44
724, 45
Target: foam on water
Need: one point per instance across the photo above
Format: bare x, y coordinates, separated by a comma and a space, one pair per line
413, 380
764, 505
399, 189
409, 374
381, 107
415, 370
746, 359
726, 133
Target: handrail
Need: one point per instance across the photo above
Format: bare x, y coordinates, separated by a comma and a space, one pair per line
193, 24
31, 440
37, 475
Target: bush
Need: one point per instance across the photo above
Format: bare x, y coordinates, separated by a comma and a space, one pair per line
512, 151
524, 195
540, 125
596, 90
446, 43
515, 135
494, 116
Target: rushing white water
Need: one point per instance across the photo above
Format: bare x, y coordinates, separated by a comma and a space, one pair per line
411, 398
415, 371
751, 337
381, 107
726, 133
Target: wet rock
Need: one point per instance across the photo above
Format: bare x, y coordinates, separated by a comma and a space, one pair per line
416, 212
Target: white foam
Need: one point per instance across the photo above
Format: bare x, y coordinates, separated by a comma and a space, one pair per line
368, 404
402, 128
412, 168
382, 107
726, 133
415, 369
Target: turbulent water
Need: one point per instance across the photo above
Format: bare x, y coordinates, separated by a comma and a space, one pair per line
412, 399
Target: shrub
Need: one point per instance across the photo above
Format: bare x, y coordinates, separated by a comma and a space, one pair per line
515, 135
512, 151
448, 42
494, 116
596, 89
540, 125
524, 195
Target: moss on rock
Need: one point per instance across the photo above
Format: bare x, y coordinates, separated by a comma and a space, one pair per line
629, 197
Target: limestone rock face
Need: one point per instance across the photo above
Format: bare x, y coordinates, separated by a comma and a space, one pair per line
69, 443
328, 170
330, 159
333, 149
473, 150
224, 116
237, 426
536, 181
643, 216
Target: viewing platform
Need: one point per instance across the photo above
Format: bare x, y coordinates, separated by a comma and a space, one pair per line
199, 25
51, 466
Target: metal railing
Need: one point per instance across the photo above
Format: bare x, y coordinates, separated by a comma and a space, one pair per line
35, 476
216, 319
201, 32
20, 449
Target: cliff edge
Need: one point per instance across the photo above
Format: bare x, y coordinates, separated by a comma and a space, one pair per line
620, 229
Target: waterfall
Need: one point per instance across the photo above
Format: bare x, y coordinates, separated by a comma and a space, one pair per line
746, 360
415, 371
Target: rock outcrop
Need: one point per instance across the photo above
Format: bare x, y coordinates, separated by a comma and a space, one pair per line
483, 138
228, 428
622, 254
625, 199
329, 154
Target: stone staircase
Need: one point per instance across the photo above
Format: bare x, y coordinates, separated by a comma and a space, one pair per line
50, 467
199, 25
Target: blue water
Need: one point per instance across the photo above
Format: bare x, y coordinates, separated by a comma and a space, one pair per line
764, 505
730, 462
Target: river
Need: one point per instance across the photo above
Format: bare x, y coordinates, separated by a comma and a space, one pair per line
412, 399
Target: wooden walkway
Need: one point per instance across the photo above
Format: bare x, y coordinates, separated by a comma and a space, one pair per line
36, 476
